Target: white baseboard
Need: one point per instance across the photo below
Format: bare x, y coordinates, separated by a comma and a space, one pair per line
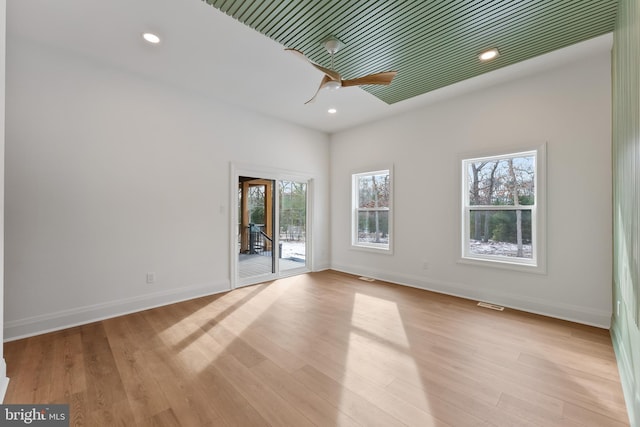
321, 267
573, 313
36, 325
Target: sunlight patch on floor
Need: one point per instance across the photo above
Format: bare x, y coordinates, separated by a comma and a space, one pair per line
177, 332
380, 318
378, 354
190, 324
209, 332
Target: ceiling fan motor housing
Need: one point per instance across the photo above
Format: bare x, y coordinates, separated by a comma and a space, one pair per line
332, 45
333, 84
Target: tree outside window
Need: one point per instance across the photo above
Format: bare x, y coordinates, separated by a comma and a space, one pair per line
372, 209
500, 208
293, 210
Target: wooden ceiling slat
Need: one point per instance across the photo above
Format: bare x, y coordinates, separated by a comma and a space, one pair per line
377, 37
520, 42
286, 26
218, 4
434, 80
238, 8
452, 75
261, 13
417, 37
243, 9
255, 12
337, 27
317, 28
476, 67
286, 8
431, 44
430, 15
451, 48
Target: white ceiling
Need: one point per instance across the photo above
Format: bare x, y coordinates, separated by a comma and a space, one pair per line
207, 52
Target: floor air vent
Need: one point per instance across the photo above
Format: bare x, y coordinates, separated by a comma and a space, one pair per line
491, 306
367, 279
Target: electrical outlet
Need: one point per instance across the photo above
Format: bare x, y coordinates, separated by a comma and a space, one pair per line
425, 265
151, 278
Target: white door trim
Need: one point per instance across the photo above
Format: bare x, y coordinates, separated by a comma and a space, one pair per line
236, 170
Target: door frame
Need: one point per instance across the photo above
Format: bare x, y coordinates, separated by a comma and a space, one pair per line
236, 170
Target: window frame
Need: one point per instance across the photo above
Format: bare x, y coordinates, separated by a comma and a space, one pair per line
356, 210
537, 263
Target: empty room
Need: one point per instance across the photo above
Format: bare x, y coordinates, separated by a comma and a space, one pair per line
292, 213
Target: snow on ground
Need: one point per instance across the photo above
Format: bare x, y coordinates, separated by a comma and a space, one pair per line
296, 249
477, 247
293, 249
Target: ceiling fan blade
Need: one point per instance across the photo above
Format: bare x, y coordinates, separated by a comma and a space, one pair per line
325, 80
372, 79
332, 74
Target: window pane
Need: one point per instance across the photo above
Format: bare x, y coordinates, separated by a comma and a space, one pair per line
497, 233
499, 182
373, 190
293, 224
373, 227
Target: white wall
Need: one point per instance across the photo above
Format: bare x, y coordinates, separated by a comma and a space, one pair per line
569, 108
110, 176
4, 381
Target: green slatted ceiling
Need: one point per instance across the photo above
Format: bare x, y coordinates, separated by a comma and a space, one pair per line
431, 44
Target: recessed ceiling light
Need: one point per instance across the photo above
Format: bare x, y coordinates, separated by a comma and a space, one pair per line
151, 38
489, 54
332, 111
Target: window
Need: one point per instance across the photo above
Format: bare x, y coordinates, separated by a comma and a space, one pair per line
502, 215
371, 205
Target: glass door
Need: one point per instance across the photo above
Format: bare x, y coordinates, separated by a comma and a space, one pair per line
270, 225
292, 203
256, 255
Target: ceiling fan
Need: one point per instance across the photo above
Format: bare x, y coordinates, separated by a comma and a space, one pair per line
332, 79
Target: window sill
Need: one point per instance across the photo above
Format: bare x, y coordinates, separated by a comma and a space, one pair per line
504, 265
372, 249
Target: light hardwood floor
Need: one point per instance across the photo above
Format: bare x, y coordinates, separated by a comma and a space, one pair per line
323, 349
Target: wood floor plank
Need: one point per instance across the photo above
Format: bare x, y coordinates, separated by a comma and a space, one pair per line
166, 418
68, 374
540, 384
595, 370
104, 384
272, 350
454, 408
272, 407
532, 413
78, 409
307, 401
351, 403
35, 360
323, 349
189, 400
584, 417
117, 414
144, 394
236, 345
593, 394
